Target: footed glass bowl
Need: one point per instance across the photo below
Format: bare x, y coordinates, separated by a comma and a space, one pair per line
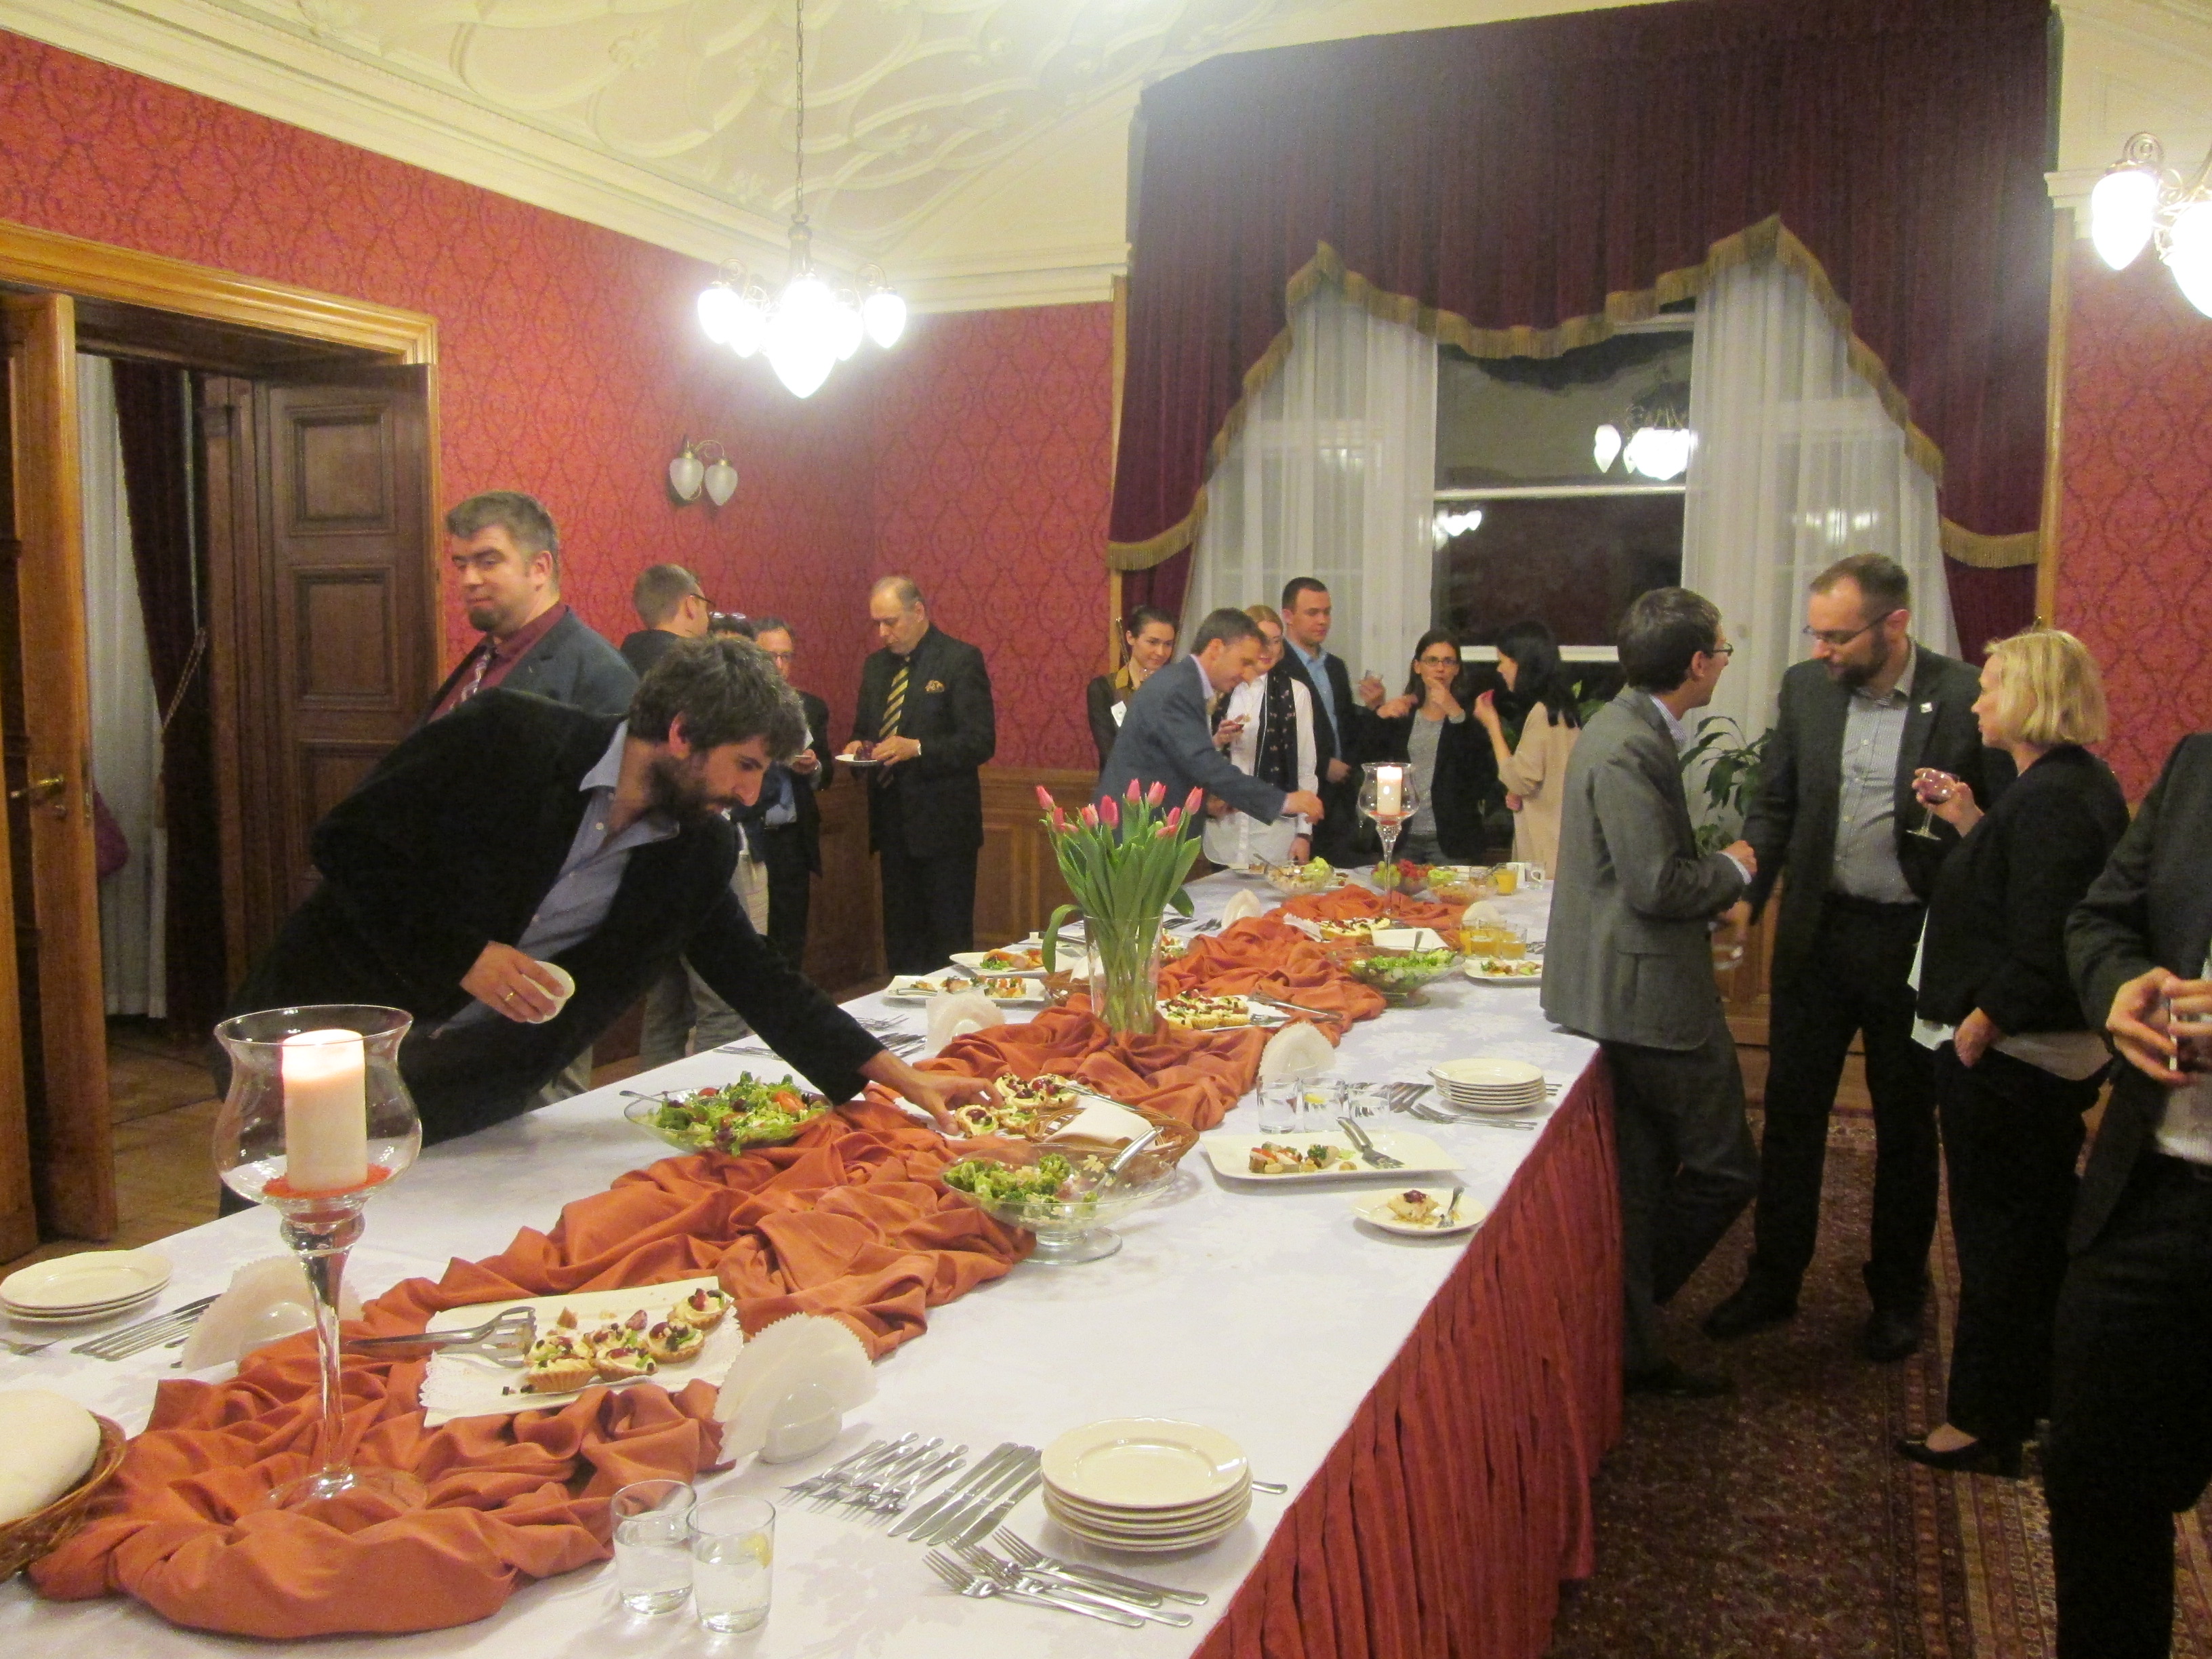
1400, 977
1296, 878
676, 1120
1077, 1229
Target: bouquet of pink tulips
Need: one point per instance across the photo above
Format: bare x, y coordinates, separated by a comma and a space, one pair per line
1126, 861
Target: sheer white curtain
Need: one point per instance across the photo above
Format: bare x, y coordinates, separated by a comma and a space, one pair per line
1332, 477
1797, 464
126, 727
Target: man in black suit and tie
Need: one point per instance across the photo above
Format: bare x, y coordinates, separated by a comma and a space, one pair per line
1341, 721
519, 832
924, 728
2131, 1438
790, 817
1167, 738
507, 566
1836, 810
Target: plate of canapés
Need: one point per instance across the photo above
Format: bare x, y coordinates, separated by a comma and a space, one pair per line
1419, 1211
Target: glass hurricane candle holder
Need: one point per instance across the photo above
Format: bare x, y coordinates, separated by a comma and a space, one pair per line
1387, 797
316, 1120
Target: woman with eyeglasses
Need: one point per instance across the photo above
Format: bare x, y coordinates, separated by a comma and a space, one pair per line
1427, 726
1535, 772
1149, 637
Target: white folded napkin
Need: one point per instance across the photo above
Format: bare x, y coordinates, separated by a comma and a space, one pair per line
1297, 1050
956, 1015
47, 1444
1483, 911
1242, 907
268, 1300
792, 1384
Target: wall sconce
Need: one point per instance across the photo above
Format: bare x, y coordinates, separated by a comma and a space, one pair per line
688, 473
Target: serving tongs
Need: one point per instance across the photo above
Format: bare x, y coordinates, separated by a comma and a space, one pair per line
1297, 1008
506, 1339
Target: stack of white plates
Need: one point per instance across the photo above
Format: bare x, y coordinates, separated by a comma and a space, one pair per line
1146, 1483
92, 1285
1490, 1086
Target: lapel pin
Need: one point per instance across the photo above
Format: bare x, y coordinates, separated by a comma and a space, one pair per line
1927, 708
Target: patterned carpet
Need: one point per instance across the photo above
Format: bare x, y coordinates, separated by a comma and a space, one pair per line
1778, 1524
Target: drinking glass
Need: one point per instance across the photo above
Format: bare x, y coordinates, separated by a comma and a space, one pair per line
1366, 1099
2191, 1031
652, 1544
1280, 1104
315, 1120
1321, 1103
1931, 787
732, 1559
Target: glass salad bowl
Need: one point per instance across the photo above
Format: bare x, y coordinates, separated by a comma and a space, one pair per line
1064, 1200
1400, 974
727, 1117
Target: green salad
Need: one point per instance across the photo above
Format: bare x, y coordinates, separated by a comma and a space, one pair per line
747, 1111
1404, 972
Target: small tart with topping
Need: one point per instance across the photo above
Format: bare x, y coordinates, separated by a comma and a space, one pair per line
562, 1376
671, 1343
616, 1364
703, 1310
1194, 1011
557, 1346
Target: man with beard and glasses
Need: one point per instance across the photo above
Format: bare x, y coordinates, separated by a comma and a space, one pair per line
517, 833
1836, 810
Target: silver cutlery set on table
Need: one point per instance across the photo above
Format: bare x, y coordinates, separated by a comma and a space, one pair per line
171, 1329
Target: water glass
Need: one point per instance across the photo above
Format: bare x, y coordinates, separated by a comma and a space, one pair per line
1280, 1104
652, 1544
733, 1555
2191, 1031
1366, 1099
1320, 1104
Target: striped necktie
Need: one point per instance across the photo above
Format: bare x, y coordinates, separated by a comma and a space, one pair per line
894, 704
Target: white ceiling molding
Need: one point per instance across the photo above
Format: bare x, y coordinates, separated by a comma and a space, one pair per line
2131, 66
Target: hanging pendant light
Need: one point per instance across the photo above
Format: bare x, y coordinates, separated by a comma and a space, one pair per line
810, 328
2140, 202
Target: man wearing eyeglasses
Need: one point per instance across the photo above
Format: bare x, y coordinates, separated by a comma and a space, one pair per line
1836, 810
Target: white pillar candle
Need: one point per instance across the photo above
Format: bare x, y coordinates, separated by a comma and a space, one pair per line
1389, 790
325, 1111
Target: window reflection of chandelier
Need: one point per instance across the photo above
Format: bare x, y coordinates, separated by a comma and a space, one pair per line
1659, 439
808, 329
2139, 200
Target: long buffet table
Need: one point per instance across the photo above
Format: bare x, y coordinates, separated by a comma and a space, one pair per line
1435, 1406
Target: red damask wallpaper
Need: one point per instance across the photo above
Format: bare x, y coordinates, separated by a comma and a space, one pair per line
2135, 580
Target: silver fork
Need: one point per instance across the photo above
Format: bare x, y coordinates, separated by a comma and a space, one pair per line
134, 1338
815, 1481
1146, 1606
1027, 1554
975, 1584
24, 1349
893, 1501
833, 1491
882, 1479
1375, 1158
504, 1337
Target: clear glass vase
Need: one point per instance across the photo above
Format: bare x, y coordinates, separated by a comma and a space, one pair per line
1124, 973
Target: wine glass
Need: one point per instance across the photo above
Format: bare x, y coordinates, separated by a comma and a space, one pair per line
1931, 788
317, 1118
1387, 797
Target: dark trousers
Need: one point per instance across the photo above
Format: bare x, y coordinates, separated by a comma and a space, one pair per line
790, 889
2130, 1440
1855, 986
1687, 1167
929, 909
2011, 1134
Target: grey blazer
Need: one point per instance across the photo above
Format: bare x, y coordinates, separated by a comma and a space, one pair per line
1629, 958
1166, 739
571, 665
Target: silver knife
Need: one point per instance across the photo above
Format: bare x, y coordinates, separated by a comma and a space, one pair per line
980, 1527
954, 1523
982, 1472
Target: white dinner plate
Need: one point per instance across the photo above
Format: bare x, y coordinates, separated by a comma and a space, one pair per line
1486, 1073
1374, 1208
973, 961
1190, 1518
1231, 1157
920, 987
79, 1315
1145, 1463
89, 1280
1148, 1544
1505, 970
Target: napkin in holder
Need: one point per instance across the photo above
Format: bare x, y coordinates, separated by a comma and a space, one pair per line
1483, 914
787, 1391
268, 1300
1297, 1050
1242, 907
957, 1015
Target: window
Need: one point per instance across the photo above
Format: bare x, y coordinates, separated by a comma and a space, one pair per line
1558, 486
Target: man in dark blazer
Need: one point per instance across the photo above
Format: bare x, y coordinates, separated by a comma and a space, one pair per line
1836, 810
1630, 963
1167, 737
506, 565
2131, 1439
671, 604
790, 817
1341, 721
518, 832
925, 725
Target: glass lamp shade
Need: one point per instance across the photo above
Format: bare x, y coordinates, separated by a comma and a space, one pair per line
684, 474
803, 336
748, 324
850, 330
1605, 447
2122, 208
718, 307
884, 314
2188, 254
1660, 452
722, 480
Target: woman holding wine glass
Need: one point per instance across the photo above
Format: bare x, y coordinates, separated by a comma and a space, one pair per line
2015, 1064
1453, 775
1535, 772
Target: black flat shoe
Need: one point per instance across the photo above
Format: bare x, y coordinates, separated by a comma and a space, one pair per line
1889, 1336
1753, 1306
1670, 1381
1975, 1457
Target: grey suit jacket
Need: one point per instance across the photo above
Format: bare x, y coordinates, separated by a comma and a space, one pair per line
1629, 958
571, 665
1166, 739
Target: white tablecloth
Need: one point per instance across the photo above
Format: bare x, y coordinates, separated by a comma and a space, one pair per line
1267, 1315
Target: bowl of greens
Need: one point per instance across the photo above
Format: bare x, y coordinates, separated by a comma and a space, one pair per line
1400, 974
727, 1117
1065, 1201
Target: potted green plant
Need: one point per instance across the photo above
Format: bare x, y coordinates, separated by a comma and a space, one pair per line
1724, 766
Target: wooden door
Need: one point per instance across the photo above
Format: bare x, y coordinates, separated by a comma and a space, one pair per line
325, 647
57, 1067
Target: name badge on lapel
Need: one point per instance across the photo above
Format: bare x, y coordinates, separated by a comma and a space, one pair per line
1928, 707
935, 685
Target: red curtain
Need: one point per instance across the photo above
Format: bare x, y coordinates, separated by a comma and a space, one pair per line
1514, 175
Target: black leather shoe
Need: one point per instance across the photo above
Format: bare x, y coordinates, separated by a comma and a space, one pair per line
1975, 1457
1889, 1336
1754, 1307
1670, 1381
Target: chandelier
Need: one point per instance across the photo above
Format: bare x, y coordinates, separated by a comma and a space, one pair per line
810, 328
2139, 200
1659, 439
